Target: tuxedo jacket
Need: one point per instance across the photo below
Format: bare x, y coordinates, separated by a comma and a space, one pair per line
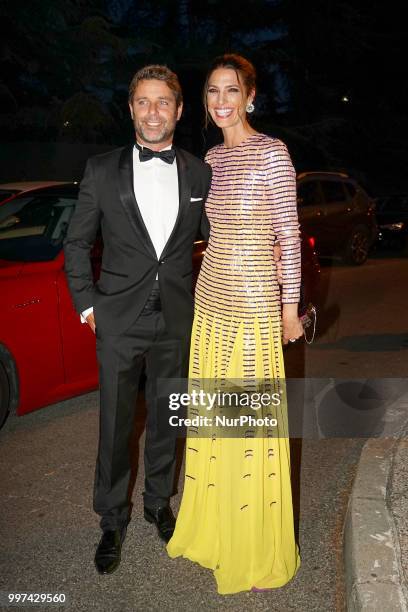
129, 261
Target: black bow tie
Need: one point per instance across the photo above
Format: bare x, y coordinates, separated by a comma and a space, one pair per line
145, 154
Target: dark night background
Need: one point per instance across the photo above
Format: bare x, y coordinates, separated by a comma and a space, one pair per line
330, 81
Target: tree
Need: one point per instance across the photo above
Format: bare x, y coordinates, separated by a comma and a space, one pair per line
55, 50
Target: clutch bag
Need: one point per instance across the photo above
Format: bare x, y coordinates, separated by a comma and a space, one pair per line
308, 318
308, 315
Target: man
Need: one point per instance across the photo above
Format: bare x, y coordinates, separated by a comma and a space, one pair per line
147, 200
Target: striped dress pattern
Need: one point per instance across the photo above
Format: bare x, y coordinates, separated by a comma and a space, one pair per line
236, 514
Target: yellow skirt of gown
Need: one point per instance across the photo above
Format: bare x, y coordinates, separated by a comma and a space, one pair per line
236, 514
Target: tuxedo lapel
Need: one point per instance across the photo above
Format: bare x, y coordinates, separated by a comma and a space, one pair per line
127, 196
184, 194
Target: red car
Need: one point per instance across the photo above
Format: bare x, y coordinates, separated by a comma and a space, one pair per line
46, 354
8, 190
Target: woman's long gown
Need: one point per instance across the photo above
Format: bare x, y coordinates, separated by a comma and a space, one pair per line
236, 514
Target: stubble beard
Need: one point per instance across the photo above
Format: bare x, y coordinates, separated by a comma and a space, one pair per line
163, 136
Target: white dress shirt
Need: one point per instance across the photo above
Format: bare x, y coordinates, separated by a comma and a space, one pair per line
156, 190
155, 184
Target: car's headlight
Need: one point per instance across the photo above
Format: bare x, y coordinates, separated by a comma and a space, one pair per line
396, 227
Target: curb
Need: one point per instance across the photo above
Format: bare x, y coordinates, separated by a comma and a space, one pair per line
374, 577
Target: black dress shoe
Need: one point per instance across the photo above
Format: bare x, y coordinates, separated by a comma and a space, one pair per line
163, 519
107, 556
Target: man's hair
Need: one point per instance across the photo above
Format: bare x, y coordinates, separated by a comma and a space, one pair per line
161, 73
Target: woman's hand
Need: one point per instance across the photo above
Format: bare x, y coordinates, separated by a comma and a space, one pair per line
291, 324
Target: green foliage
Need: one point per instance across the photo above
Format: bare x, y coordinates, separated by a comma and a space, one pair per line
66, 66
54, 51
84, 118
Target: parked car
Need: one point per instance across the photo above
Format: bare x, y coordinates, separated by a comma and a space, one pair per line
46, 354
392, 220
337, 211
8, 190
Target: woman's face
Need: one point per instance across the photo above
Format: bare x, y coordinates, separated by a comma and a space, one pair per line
226, 98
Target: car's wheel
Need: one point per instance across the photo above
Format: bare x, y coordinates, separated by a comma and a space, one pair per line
4, 396
358, 246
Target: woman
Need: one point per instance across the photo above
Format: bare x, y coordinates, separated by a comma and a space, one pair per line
236, 514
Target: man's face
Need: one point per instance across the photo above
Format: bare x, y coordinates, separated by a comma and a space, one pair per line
154, 113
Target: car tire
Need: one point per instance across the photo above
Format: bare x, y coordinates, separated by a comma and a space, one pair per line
358, 246
4, 396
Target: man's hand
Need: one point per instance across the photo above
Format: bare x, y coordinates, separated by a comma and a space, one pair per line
90, 319
277, 254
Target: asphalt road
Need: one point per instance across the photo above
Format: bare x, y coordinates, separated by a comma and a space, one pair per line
363, 327
49, 532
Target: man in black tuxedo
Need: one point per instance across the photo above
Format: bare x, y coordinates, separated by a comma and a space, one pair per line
147, 199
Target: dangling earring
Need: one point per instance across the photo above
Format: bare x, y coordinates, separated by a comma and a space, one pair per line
250, 108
